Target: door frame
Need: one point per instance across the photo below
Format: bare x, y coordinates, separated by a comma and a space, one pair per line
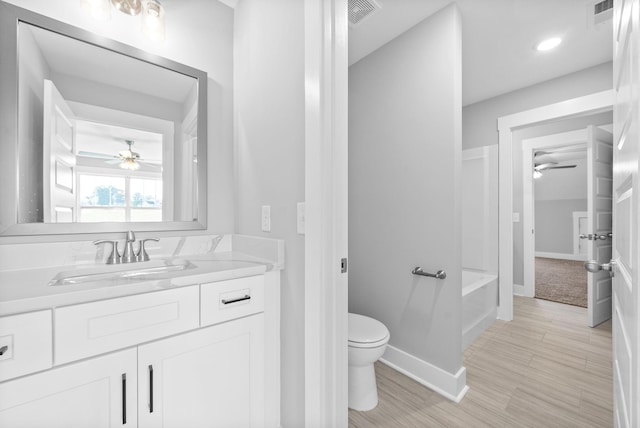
581, 106
326, 186
528, 197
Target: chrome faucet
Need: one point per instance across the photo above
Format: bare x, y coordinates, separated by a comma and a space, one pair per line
128, 256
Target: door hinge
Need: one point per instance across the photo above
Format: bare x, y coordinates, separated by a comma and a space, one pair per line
343, 265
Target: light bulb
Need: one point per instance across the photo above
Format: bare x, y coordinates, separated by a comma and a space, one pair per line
153, 20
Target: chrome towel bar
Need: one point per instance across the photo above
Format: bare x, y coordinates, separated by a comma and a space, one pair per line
439, 275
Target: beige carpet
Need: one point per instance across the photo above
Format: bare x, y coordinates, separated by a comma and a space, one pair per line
563, 281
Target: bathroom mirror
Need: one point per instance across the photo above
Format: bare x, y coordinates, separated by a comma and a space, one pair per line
97, 136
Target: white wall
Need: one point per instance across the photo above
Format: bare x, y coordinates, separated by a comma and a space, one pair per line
199, 33
269, 160
404, 188
479, 127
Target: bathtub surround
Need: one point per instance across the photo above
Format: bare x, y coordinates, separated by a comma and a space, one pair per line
404, 207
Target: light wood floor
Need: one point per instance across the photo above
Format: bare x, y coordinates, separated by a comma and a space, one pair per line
545, 368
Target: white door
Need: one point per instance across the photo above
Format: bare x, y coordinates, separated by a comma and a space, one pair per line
58, 175
626, 214
599, 160
96, 393
212, 377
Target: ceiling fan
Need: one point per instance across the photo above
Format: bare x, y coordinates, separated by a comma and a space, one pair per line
127, 159
539, 165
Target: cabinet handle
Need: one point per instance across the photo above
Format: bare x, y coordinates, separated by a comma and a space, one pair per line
239, 299
4, 349
150, 389
124, 398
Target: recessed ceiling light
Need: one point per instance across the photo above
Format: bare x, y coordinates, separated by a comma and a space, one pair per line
548, 44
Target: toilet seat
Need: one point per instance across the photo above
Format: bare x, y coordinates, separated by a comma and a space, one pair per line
365, 332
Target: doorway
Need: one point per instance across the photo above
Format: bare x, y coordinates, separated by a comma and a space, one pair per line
507, 125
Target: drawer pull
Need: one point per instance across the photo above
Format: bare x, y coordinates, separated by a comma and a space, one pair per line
239, 299
124, 398
150, 389
4, 349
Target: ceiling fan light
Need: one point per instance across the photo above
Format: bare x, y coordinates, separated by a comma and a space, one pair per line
129, 164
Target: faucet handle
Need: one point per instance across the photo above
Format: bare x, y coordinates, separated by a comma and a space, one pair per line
142, 255
114, 257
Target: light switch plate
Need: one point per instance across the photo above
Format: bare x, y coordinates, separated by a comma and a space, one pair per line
301, 218
516, 217
266, 218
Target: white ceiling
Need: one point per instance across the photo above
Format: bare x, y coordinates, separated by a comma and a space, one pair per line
498, 38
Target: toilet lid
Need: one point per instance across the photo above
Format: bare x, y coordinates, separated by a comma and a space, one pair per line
365, 330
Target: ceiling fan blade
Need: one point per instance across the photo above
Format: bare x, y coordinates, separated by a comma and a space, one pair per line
561, 166
94, 155
543, 166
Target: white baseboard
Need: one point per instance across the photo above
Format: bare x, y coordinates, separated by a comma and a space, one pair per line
450, 386
562, 256
518, 290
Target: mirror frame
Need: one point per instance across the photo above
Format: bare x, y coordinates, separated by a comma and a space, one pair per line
10, 17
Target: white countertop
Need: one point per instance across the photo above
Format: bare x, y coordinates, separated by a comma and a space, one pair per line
26, 290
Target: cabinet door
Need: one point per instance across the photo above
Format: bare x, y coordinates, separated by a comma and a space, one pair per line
213, 377
97, 393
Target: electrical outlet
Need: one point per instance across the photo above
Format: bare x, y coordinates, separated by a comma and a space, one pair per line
301, 218
266, 218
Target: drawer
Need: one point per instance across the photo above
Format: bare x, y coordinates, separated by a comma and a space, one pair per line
27, 338
98, 327
235, 298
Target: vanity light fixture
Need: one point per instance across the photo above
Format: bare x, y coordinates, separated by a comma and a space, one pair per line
151, 10
548, 44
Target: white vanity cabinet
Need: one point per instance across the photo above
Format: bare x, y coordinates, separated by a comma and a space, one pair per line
212, 377
96, 393
195, 357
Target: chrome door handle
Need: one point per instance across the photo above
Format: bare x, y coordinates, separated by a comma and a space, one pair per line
4, 349
593, 266
583, 236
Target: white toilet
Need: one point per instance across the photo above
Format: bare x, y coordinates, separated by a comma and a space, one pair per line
368, 339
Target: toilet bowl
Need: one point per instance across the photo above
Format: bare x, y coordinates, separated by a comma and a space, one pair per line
368, 340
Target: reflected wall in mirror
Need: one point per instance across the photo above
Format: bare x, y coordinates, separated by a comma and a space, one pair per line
106, 133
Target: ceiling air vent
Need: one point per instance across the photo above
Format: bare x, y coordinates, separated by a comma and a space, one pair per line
360, 10
602, 11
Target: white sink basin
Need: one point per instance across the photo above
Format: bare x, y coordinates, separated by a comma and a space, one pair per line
157, 269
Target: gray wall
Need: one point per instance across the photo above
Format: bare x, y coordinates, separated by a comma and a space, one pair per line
404, 188
554, 224
479, 127
557, 194
269, 160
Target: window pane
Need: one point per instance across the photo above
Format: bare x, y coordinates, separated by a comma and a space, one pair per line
146, 193
101, 191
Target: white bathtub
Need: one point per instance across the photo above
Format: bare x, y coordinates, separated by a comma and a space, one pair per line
479, 304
